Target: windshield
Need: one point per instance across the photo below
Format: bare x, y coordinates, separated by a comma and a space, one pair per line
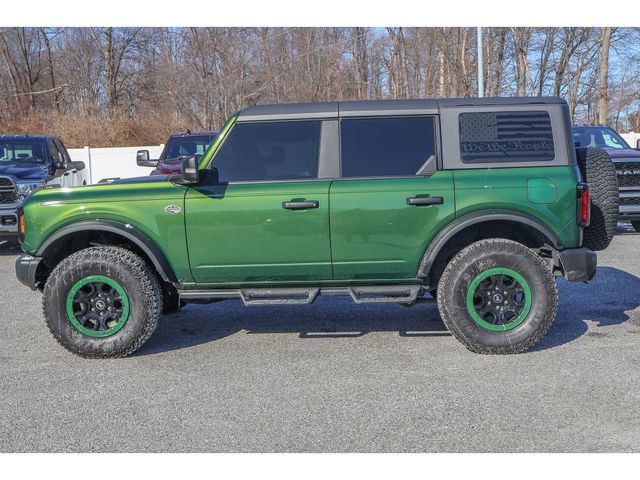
603, 137
31, 151
185, 146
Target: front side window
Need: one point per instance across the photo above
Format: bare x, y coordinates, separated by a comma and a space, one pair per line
390, 146
265, 151
506, 136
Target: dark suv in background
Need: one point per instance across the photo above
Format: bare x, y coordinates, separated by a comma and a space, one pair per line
626, 161
28, 162
179, 145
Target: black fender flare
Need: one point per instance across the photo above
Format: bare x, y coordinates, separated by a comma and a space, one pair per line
128, 231
475, 218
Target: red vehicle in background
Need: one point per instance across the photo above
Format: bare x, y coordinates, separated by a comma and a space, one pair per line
179, 145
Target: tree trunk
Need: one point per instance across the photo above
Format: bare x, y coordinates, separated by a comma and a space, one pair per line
603, 86
521, 38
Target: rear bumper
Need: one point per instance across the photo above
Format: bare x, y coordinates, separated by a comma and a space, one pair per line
26, 268
629, 212
578, 264
629, 208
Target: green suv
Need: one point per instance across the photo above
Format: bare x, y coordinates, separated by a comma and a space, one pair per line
474, 203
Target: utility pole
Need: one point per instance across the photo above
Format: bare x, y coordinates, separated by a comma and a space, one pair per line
480, 65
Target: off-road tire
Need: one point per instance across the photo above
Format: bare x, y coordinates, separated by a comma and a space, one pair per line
126, 268
471, 262
598, 171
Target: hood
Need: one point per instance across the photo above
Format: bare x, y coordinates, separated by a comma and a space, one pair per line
24, 171
126, 190
623, 153
149, 179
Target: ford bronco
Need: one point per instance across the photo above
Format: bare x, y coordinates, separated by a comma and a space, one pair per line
476, 204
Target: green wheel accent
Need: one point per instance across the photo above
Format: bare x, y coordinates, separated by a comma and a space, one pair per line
499, 299
97, 306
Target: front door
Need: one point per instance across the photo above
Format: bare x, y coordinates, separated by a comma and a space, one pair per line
266, 217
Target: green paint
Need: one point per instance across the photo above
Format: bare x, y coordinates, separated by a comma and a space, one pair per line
363, 231
375, 234
506, 188
542, 190
93, 279
246, 236
139, 205
471, 291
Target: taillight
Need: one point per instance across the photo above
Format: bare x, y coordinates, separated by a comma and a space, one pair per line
584, 204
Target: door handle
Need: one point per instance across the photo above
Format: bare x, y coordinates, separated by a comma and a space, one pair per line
425, 201
300, 205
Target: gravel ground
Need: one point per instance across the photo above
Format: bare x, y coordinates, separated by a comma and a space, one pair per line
330, 377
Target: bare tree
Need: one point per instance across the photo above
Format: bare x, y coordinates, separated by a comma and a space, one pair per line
603, 86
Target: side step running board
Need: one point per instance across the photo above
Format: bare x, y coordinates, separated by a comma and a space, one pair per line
402, 294
385, 294
271, 296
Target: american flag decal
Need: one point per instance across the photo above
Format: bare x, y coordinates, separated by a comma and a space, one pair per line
506, 137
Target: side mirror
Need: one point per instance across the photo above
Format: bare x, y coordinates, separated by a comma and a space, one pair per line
190, 173
142, 159
79, 165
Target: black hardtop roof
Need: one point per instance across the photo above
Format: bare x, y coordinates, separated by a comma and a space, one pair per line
344, 108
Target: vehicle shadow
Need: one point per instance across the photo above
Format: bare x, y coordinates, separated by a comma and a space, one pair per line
605, 301
9, 247
336, 317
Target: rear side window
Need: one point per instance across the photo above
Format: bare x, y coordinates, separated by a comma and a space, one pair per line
385, 147
507, 136
270, 151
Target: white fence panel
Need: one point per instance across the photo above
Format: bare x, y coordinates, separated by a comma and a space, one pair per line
631, 138
115, 162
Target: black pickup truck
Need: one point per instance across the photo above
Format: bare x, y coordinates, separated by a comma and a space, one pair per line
626, 161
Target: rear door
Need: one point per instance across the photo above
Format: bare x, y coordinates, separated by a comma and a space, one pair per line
266, 218
391, 200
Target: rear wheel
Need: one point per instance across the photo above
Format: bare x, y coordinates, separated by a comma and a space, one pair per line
102, 302
497, 296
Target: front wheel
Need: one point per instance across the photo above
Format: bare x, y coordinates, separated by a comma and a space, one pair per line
102, 302
497, 296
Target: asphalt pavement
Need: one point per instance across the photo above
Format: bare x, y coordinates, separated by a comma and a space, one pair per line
330, 377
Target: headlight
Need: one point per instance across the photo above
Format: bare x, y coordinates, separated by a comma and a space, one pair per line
26, 189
